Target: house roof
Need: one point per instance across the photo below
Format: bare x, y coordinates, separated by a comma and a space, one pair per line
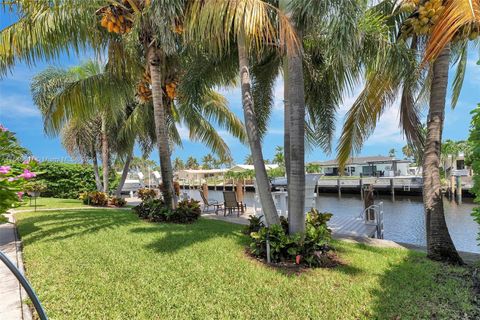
363, 161
245, 167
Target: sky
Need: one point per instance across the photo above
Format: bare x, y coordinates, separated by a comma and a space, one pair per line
19, 114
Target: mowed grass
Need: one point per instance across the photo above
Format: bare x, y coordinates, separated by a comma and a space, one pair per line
107, 264
49, 203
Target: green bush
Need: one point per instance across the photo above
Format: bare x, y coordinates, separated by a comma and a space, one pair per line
68, 180
147, 207
254, 225
312, 248
187, 211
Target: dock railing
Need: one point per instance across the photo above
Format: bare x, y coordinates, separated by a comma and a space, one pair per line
374, 215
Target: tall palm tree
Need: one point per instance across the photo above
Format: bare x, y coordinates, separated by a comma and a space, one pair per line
249, 23
192, 163
178, 164
386, 80
56, 90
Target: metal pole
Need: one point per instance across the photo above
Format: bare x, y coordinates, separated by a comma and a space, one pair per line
28, 288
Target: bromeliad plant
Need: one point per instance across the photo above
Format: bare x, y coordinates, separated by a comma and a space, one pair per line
310, 250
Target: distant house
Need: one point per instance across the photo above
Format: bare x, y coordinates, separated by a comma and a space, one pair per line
369, 166
455, 166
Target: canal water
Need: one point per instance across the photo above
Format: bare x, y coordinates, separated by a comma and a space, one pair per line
404, 219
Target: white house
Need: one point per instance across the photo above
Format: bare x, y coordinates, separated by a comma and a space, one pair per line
369, 166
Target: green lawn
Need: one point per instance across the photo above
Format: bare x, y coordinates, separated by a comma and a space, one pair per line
50, 203
107, 264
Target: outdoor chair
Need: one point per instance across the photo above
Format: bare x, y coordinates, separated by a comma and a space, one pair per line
207, 203
231, 203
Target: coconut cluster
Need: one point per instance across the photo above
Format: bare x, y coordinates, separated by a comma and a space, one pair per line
424, 16
144, 92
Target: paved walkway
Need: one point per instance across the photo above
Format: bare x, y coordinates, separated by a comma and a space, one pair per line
12, 296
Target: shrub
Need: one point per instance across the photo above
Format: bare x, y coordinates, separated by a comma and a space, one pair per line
254, 225
187, 211
155, 210
68, 180
147, 207
146, 193
117, 202
95, 198
312, 248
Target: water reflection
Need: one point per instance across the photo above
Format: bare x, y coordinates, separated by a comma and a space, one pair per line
404, 220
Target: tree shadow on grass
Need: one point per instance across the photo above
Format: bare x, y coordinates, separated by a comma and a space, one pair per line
417, 288
54, 226
173, 237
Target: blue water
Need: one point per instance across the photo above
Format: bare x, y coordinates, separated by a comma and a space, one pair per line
404, 219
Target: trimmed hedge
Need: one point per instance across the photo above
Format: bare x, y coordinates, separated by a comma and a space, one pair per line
68, 180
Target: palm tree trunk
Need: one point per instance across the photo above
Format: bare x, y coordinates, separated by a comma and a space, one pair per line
439, 243
105, 153
286, 120
160, 117
126, 167
296, 102
98, 181
263, 184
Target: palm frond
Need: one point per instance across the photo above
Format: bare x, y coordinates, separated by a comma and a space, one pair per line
459, 15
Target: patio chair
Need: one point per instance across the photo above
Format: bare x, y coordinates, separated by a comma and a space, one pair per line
207, 203
231, 203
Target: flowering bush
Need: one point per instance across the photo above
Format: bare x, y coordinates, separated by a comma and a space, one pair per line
14, 175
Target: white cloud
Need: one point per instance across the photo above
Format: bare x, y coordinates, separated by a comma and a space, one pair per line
17, 106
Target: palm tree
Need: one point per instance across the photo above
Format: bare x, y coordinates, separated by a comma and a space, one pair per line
56, 90
249, 22
178, 164
385, 81
407, 151
248, 159
207, 161
279, 157
192, 163
391, 153
80, 138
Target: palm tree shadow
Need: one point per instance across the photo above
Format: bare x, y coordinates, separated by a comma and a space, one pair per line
70, 223
173, 237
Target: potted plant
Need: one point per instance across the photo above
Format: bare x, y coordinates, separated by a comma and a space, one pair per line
35, 188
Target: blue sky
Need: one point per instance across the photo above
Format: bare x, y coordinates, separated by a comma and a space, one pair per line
19, 114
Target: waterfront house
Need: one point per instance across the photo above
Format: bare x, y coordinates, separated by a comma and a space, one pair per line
379, 166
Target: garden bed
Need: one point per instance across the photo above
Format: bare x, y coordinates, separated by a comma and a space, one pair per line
108, 264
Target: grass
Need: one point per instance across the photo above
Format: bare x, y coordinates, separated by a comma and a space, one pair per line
50, 203
3, 219
107, 264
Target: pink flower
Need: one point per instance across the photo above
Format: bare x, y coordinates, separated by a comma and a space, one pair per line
11, 179
2, 128
27, 174
4, 169
20, 195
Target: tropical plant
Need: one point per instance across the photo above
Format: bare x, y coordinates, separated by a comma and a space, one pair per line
279, 157
95, 198
250, 24
398, 73
191, 163
207, 161
313, 168
474, 140
391, 153
248, 159
178, 164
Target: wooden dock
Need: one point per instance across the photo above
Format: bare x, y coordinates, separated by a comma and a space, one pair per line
351, 226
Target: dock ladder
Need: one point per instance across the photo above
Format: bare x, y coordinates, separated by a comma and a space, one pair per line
374, 215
